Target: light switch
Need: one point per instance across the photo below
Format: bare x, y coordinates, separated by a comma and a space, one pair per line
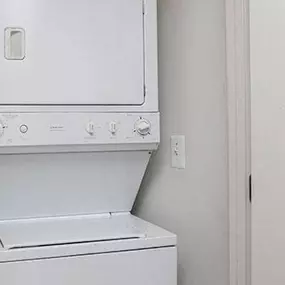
178, 152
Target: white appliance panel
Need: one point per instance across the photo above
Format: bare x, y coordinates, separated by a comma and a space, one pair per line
72, 52
152, 267
63, 129
46, 185
68, 231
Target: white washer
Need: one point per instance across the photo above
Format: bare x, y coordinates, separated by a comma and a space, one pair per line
79, 121
102, 249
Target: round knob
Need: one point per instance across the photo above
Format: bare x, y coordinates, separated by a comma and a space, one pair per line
143, 127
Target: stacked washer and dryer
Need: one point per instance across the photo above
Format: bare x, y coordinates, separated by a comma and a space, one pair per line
79, 121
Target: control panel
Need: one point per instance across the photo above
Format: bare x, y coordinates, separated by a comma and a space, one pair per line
47, 129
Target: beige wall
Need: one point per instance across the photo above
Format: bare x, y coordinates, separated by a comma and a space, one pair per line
192, 203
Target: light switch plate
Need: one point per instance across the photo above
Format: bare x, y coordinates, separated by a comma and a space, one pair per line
178, 152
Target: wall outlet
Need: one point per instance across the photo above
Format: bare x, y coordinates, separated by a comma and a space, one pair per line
178, 152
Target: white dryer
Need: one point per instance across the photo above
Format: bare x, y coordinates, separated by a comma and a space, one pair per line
79, 121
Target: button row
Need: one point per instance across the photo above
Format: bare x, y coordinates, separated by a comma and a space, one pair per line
142, 127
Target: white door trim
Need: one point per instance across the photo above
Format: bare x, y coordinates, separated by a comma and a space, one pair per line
238, 91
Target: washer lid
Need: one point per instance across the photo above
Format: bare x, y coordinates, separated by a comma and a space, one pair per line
76, 52
66, 231
83, 235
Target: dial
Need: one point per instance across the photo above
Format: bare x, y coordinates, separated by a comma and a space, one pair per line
143, 127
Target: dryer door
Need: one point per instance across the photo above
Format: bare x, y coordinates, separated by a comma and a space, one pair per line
76, 52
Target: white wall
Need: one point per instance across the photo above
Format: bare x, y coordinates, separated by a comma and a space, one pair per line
267, 42
192, 203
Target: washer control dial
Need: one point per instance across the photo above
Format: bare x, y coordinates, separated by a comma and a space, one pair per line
143, 127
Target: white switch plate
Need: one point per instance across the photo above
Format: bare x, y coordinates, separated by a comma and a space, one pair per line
178, 152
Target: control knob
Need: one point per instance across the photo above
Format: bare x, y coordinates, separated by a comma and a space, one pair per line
113, 128
143, 127
90, 128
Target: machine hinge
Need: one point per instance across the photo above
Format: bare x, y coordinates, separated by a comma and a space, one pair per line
250, 188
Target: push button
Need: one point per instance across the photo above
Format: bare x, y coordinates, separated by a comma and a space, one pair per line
24, 129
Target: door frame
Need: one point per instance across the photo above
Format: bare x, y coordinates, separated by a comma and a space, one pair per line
238, 92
